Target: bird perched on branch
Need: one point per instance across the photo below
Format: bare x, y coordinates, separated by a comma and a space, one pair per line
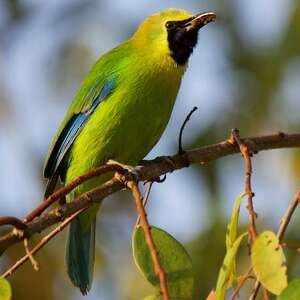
119, 113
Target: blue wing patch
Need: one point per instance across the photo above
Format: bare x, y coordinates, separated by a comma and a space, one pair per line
71, 131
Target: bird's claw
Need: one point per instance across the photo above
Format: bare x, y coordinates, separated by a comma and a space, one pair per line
130, 171
160, 179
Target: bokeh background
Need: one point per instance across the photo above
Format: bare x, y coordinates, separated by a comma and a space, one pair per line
245, 73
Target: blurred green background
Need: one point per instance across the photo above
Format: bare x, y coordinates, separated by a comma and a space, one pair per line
245, 73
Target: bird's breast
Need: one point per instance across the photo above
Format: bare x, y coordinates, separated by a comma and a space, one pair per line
127, 125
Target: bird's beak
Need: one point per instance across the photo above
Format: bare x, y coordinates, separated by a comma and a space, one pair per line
201, 20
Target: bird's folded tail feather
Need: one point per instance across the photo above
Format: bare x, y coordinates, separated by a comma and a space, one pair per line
80, 255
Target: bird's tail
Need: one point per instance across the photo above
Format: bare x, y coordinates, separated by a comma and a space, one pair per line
80, 255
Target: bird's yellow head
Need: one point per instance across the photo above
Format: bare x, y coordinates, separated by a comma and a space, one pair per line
173, 33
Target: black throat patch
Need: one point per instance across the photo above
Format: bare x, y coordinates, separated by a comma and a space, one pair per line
181, 41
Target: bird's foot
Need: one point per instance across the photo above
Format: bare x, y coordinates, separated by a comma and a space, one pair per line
131, 172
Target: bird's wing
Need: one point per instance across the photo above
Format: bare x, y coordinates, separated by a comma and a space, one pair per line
84, 104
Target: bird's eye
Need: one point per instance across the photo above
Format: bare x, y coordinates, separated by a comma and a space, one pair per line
169, 25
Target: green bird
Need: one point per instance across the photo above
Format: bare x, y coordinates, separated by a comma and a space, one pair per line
119, 113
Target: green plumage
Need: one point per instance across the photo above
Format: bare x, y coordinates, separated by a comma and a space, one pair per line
123, 123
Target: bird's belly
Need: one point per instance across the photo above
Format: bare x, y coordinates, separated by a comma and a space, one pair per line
124, 131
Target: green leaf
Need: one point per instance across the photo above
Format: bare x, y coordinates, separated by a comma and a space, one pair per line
173, 258
292, 292
226, 269
5, 289
232, 227
269, 262
231, 234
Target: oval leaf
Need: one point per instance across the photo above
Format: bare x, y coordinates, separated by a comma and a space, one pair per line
292, 292
227, 267
172, 257
269, 262
5, 289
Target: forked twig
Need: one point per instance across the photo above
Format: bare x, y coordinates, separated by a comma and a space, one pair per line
34, 263
241, 283
153, 169
42, 243
145, 200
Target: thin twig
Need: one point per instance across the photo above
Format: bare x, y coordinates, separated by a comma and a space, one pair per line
248, 189
241, 283
149, 240
41, 244
145, 200
287, 216
180, 149
34, 263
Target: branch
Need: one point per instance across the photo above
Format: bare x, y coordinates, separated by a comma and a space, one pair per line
149, 171
13, 221
69, 187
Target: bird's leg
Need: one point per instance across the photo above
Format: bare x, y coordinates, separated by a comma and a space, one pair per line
132, 172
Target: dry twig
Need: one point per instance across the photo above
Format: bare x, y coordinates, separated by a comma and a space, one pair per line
149, 240
287, 216
241, 283
145, 200
34, 263
248, 189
